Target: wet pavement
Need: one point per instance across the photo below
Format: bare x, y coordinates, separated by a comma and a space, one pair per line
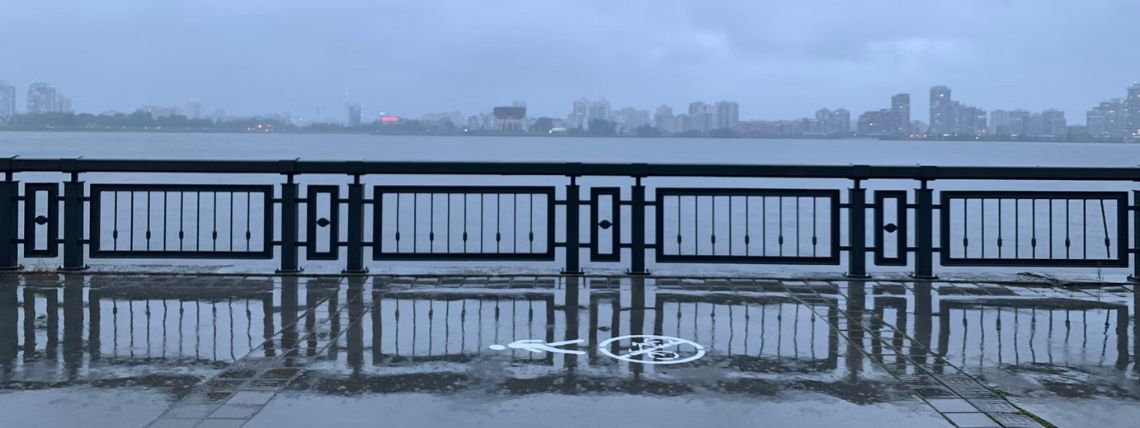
524, 351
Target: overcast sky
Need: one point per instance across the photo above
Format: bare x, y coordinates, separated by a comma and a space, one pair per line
780, 59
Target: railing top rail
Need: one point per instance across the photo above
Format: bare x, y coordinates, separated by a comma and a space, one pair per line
860, 172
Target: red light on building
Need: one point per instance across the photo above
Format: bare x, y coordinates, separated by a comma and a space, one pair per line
389, 119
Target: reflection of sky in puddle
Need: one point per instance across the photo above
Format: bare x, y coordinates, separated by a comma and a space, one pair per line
376, 341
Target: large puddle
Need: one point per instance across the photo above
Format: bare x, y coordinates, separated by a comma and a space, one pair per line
180, 350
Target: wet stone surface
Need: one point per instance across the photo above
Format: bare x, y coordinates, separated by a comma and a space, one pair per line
515, 351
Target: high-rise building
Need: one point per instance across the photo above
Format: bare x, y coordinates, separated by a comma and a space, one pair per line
354, 115
1019, 122
1132, 111
62, 103
900, 114
941, 111
7, 101
874, 123
702, 117
580, 115
599, 110
193, 109
999, 122
1053, 123
663, 119
41, 98
1106, 120
727, 115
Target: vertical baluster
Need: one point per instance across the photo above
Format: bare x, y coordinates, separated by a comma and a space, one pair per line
814, 220
678, 197
73, 195
9, 222
289, 225
747, 226
415, 223
431, 223
214, 232
498, 222
1104, 223
248, 215
1135, 277
355, 245
856, 231
131, 224
573, 233
712, 236
924, 255
780, 230
115, 226
165, 209
148, 220
1068, 242
637, 229
1051, 228
232, 221
999, 237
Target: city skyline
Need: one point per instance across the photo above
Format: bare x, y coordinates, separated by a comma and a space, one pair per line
55, 101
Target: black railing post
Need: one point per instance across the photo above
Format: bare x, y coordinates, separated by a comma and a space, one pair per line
924, 228
637, 229
857, 231
356, 226
1135, 277
73, 223
9, 223
289, 209
573, 235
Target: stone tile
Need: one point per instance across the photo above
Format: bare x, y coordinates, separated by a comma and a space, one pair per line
222, 423
173, 423
231, 411
972, 420
952, 405
250, 398
191, 411
1014, 420
994, 406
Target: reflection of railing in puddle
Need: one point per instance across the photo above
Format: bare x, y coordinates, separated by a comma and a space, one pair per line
455, 326
106, 325
990, 327
757, 332
1052, 331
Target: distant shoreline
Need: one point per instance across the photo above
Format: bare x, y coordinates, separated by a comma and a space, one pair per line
534, 135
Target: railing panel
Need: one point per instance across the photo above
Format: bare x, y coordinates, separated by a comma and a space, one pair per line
890, 222
322, 234
1074, 229
605, 224
463, 223
41, 216
181, 221
786, 226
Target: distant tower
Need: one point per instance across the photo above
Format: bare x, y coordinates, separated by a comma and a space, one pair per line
193, 109
7, 100
354, 115
900, 114
41, 98
941, 111
1132, 111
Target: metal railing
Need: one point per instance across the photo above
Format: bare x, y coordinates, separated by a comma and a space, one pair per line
747, 225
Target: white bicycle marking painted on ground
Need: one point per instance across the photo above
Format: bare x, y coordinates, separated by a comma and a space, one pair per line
656, 349
539, 346
659, 349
